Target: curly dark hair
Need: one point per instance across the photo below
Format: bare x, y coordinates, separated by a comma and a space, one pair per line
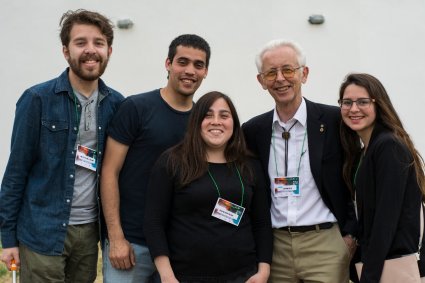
82, 16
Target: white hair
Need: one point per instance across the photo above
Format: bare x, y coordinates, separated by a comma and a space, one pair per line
276, 43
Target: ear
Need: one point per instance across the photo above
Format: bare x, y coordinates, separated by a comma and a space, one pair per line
206, 73
167, 64
306, 70
109, 51
261, 81
65, 52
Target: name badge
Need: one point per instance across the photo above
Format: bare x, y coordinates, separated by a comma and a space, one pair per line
86, 157
228, 211
286, 186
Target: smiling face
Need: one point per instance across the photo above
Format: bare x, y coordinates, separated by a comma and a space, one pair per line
87, 52
286, 92
187, 70
217, 126
361, 120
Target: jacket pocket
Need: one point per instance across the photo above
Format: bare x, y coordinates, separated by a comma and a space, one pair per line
54, 136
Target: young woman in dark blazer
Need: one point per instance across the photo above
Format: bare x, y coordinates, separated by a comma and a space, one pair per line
383, 170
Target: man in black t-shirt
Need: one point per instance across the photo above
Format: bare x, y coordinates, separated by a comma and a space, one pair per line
145, 125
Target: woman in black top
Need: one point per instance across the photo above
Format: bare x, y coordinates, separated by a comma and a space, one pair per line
207, 218
384, 171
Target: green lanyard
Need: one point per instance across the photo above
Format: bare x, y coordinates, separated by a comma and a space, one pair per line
286, 152
357, 170
78, 120
218, 190
354, 182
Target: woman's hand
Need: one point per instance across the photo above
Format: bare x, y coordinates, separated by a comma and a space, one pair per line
171, 279
165, 271
262, 275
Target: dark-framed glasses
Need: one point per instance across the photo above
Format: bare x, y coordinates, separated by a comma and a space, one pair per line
286, 71
361, 103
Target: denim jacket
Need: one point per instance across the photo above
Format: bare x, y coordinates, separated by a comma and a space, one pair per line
38, 184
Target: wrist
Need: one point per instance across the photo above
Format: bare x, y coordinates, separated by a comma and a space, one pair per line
115, 235
353, 238
264, 269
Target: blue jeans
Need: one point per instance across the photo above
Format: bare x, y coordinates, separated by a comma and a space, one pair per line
143, 271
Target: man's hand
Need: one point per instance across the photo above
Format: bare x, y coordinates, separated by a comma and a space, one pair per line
121, 254
351, 243
8, 254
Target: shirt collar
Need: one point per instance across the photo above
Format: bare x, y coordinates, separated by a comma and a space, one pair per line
300, 116
63, 85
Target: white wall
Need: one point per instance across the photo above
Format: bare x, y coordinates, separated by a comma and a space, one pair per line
381, 37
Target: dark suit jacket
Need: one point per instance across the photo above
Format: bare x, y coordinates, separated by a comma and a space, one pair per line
326, 157
388, 202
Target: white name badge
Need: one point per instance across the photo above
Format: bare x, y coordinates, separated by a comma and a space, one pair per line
286, 186
86, 157
228, 211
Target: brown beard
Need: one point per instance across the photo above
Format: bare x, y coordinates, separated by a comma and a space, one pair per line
78, 71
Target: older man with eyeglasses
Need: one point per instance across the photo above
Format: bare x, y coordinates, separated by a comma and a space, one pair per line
298, 144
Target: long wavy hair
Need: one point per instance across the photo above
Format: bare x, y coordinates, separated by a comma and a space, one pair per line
188, 159
386, 116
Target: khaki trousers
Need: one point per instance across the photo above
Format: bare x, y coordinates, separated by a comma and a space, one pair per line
313, 256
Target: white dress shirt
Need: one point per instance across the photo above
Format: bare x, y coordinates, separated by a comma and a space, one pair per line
308, 208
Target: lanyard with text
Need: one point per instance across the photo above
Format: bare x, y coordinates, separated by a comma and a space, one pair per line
226, 210
285, 186
85, 156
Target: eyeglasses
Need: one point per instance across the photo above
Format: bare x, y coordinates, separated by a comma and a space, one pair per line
287, 72
361, 103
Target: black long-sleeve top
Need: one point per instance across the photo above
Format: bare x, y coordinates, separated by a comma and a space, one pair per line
179, 224
388, 202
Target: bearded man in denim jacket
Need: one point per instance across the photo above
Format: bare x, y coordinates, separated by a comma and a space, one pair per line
48, 200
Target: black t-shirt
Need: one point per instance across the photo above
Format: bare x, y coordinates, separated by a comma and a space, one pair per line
149, 126
179, 224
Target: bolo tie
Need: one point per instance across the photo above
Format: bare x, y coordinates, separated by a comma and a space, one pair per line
286, 135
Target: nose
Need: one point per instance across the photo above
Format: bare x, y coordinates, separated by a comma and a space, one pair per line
280, 76
216, 120
89, 48
354, 107
190, 69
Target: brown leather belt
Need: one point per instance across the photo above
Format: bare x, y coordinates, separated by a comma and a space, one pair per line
302, 229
